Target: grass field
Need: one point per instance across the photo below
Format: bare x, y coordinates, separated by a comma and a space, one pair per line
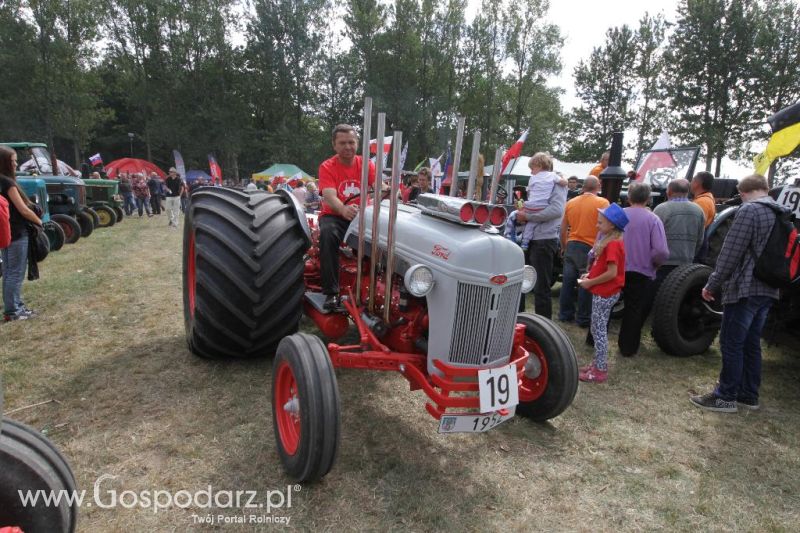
127, 399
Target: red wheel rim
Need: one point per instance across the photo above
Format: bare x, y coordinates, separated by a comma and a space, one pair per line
67, 230
532, 389
287, 408
190, 276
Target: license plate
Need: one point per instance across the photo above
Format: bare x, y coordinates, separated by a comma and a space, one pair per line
498, 388
473, 423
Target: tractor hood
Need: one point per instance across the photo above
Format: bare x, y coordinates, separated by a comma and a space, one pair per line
463, 252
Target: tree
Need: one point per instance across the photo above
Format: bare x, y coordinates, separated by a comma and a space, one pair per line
651, 115
606, 87
533, 52
710, 86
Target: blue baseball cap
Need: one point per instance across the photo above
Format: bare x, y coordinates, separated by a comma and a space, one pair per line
616, 215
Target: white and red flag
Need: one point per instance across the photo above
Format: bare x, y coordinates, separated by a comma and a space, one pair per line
513, 152
387, 145
216, 170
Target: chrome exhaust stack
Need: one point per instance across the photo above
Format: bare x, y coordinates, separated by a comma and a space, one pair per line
376, 210
362, 203
390, 230
473, 165
457, 156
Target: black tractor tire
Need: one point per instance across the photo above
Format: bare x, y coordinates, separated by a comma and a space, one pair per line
303, 379
242, 272
55, 234
31, 463
95, 217
120, 213
682, 325
559, 367
70, 226
106, 216
86, 221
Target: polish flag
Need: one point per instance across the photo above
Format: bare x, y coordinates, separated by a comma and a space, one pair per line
387, 145
513, 152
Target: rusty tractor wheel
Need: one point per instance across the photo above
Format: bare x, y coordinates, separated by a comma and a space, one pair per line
550, 380
242, 272
55, 234
31, 463
305, 407
682, 324
72, 230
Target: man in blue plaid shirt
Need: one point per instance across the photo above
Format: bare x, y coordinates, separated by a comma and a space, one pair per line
746, 301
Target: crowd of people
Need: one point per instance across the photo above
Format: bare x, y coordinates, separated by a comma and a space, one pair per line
150, 195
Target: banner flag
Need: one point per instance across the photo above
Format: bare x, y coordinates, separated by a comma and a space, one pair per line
179, 165
785, 138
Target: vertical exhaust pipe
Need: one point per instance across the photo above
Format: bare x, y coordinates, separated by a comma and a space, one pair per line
387, 299
376, 210
457, 156
473, 165
498, 160
362, 203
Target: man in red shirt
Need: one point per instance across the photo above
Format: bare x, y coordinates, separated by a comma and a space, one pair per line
339, 181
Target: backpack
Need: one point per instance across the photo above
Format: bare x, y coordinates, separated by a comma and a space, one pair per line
779, 264
5, 224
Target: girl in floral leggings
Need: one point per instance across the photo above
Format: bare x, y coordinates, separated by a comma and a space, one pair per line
604, 280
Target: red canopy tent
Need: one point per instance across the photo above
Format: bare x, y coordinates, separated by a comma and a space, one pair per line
132, 165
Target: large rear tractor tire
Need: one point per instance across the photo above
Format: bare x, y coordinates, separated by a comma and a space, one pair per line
106, 216
305, 407
682, 324
31, 463
72, 230
242, 272
55, 234
550, 381
86, 222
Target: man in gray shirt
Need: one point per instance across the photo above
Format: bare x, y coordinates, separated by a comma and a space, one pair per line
684, 226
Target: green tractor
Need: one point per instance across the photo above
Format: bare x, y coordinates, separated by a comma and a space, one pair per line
103, 196
67, 194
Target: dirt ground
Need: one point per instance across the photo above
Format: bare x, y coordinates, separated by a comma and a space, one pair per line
126, 399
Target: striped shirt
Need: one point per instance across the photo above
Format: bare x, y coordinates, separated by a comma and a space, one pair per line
733, 274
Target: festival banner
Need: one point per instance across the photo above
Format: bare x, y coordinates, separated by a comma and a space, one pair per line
179, 165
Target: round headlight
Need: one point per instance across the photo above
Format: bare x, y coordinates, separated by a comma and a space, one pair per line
528, 278
419, 280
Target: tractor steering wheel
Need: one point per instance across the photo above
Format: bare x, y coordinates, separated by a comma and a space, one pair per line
384, 195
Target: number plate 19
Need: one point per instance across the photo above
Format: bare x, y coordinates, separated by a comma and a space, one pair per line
498, 388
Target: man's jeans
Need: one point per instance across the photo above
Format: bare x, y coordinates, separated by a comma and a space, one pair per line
575, 258
130, 203
15, 260
740, 343
173, 205
143, 203
541, 254
331, 234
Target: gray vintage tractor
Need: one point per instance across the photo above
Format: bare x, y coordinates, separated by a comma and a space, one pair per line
432, 290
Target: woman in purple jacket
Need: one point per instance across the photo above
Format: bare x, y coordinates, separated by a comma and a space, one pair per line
645, 250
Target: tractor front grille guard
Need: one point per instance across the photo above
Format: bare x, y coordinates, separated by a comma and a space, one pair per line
455, 388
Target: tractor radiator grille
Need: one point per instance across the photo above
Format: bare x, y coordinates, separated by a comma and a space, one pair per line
483, 329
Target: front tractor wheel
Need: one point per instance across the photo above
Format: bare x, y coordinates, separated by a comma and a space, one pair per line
550, 380
106, 216
305, 407
242, 272
86, 222
72, 230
